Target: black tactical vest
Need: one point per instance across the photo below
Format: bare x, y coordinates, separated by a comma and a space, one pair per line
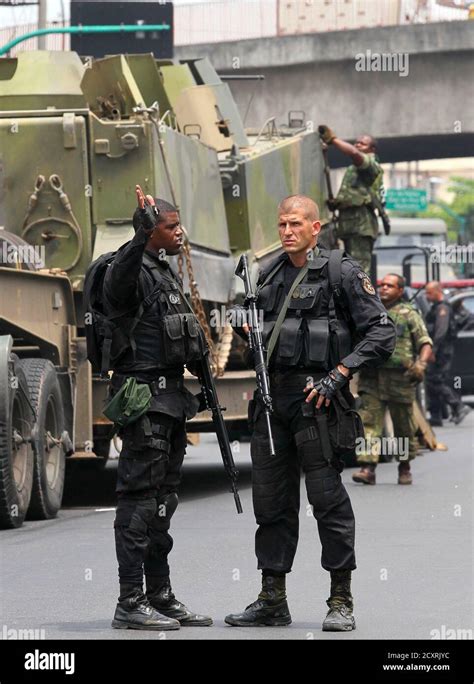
316, 331
165, 333
432, 316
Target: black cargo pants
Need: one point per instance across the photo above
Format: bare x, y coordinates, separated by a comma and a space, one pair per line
439, 385
149, 472
276, 484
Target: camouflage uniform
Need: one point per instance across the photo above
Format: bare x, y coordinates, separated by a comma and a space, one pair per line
357, 223
390, 386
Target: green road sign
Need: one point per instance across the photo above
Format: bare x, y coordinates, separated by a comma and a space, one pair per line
406, 199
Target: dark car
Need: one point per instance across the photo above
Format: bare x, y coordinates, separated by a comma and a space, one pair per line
463, 363
462, 302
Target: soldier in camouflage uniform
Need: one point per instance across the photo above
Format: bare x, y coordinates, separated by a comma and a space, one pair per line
394, 385
363, 181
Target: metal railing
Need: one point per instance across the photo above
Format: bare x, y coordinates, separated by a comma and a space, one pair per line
233, 20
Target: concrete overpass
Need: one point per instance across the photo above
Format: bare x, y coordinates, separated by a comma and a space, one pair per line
427, 113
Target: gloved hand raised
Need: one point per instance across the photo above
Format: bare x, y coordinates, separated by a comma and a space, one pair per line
149, 215
326, 134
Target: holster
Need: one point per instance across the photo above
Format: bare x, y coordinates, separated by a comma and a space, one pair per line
339, 427
319, 431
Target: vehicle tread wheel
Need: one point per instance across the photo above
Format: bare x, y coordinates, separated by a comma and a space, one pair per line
50, 460
16, 461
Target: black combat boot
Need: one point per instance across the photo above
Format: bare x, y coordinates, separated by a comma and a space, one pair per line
339, 617
134, 612
366, 474
460, 413
269, 610
161, 597
404, 473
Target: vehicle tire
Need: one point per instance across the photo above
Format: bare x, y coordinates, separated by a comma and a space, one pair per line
16, 450
50, 458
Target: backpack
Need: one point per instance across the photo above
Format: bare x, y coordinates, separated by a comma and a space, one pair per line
109, 336
101, 329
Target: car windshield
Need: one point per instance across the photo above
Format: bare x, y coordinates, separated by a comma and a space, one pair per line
468, 303
401, 245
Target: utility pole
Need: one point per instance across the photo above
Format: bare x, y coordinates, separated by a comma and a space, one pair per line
42, 19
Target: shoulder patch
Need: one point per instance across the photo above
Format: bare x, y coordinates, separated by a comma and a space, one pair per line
443, 311
367, 285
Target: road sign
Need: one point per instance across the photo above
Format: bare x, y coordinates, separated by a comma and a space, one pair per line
406, 199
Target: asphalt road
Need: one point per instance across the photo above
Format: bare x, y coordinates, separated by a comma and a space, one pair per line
414, 551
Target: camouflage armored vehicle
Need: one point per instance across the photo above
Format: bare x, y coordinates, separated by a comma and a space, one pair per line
75, 138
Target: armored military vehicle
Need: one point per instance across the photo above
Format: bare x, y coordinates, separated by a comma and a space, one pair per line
76, 135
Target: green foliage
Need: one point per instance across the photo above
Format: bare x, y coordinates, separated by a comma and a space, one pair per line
463, 189
461, 206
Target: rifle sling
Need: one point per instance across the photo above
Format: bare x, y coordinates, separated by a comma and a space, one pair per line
279, 322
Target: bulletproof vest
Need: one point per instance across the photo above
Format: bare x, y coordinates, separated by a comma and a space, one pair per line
315, 333
167, 333
432, 316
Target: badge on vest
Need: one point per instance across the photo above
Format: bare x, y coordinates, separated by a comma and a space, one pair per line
366, 284
302, 292
174, 299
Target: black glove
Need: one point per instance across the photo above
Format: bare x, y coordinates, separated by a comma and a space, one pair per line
148, 218
329, 385
326, 134
202, 402
238, 316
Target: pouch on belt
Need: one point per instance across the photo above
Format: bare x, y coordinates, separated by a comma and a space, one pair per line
131, 401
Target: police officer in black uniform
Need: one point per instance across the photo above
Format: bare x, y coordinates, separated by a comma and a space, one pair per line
328, 333
441, 325
149, 468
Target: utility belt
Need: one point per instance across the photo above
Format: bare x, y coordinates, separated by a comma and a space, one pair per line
131, 399
163, 383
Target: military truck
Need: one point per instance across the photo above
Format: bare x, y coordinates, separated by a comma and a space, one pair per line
76, 135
